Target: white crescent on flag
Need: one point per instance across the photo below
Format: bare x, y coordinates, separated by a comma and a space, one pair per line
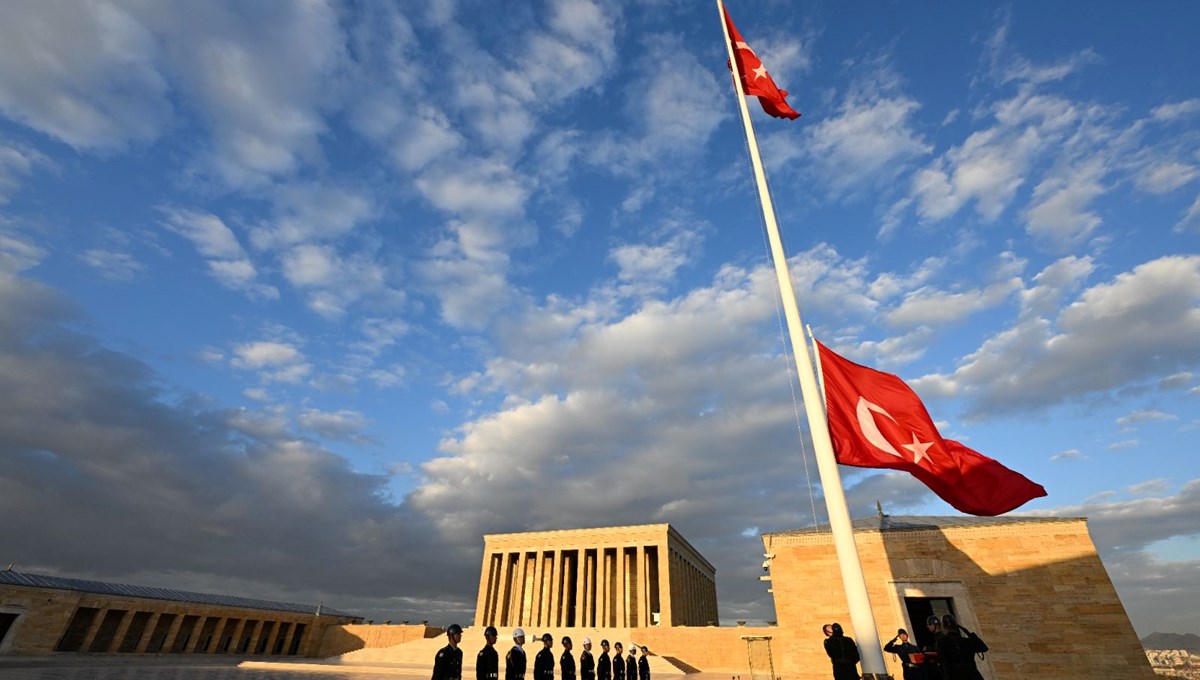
870, 431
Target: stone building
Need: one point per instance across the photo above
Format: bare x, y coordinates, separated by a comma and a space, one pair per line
616, 577
1032, 587
45, 614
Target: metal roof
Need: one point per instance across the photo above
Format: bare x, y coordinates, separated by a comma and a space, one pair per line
921, 522
100, 588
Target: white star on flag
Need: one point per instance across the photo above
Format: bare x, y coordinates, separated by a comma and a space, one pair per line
918, 449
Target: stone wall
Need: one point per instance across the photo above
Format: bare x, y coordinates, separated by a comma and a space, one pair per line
1035, 591
338, 640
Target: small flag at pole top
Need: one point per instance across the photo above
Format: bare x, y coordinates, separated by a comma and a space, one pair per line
755, 79
877, 421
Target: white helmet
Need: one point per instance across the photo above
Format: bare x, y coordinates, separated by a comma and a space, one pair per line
587, 641
518, 632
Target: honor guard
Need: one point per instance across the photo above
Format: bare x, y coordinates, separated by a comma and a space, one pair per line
447, 665
543, 663
644, 665
514, 661
487, 663
566, 662
618, 662
901, 647
587, 665
604, 663
631, 667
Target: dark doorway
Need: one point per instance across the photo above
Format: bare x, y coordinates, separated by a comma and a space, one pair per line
6, 622
920, 609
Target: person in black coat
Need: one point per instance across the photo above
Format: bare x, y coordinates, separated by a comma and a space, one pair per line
514, 661
618, 662
604, 666
487, 662
566, 662
956, 650
543, 663
631, 663
587, 665
644, 665
842, 651
447, 665
901, 647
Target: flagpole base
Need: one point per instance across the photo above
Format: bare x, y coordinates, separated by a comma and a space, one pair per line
876, 676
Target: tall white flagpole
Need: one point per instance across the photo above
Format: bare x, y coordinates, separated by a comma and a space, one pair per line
861, 616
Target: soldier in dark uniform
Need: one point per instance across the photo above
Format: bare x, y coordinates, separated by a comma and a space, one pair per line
566, 662
842, 651
644, 665
487, 662
587, 665
933, 667
631, 663
604, 664
957, 648
901, 647
618, 662
447, 665
514, 661
543, 663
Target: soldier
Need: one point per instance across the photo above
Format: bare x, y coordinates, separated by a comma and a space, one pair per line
487, 662
631, 663
933, 667
543, 663
842, 651
604, 664
618, 662
587, 665
447, 665
644, 665
566, 662
514, 661
957, 648
901, 647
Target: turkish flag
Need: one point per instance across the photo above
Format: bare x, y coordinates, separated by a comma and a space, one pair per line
876, 421
755, 79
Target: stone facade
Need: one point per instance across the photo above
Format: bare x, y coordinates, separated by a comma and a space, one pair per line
618, 577
45, 620
1033, 588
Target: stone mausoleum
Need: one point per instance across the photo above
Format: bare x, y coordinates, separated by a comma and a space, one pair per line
618, 577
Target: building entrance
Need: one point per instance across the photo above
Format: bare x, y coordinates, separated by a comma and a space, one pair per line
920, 609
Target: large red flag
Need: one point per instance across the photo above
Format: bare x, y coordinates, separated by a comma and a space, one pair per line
876, 421
755, 79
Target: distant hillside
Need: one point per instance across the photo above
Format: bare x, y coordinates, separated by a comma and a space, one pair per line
1188, 641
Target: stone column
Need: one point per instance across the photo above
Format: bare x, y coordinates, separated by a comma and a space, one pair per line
94, 627
517, 610
643, 587
556, 572
665, 605
217, 630
619, 591
601, 589
198, 632
239, 632
589, 585
148, 633
122, 630
499, 617
169, 642
486, 581
537, 606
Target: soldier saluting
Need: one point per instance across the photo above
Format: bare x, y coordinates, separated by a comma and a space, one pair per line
514, 661
487, 663
447, 665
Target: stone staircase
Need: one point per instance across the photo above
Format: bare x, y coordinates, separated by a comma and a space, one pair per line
420, 653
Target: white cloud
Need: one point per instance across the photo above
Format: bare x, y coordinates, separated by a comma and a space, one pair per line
929, 306
1177, 110
265, 354
16, 161
1191, 218
308, 212
1058, 212
344, 425
1176, 381
1144, 416
85, 74
1137, 327
111, 264
16, 252
1165, 177
1123, 444
228, 262
1069, 454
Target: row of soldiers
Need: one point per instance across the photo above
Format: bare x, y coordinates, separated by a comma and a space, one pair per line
448, 663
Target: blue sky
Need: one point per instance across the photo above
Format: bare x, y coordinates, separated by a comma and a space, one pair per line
301, 299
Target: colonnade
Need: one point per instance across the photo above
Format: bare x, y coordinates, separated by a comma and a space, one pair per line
585, 583
147, 632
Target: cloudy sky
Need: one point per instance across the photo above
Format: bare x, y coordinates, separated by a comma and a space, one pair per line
299, 299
